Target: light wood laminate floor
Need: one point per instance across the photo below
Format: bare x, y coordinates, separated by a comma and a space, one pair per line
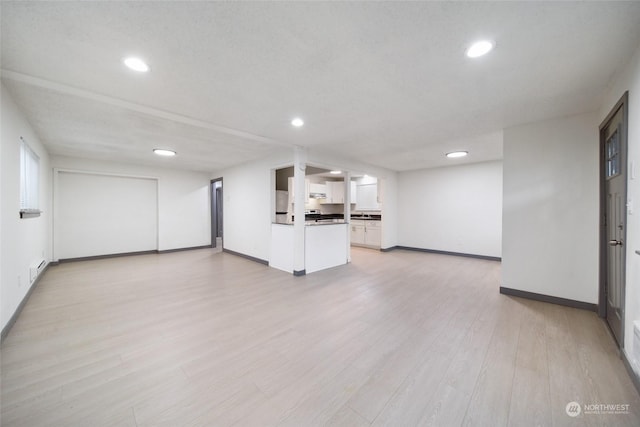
402, 338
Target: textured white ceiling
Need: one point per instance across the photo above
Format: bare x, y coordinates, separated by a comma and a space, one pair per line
386, 83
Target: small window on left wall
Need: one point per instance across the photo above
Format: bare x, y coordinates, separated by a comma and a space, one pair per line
29, 181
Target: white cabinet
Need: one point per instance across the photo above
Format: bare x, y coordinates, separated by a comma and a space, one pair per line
367, 197
357, 232
366, 233
329, 193
354, 192
335, 192
317, 189
372, 233
291, 189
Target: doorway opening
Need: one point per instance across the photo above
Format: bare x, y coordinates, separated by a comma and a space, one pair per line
216, 212
613, 218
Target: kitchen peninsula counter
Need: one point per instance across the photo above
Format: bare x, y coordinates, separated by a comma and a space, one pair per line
325, 246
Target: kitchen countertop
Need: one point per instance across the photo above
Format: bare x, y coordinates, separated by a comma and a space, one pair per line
312, 217
331, 219
311, 223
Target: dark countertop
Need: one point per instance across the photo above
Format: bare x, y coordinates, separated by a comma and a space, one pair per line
367, 217
320, 217
312, 223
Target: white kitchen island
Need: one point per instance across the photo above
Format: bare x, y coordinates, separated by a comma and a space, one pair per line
325, 246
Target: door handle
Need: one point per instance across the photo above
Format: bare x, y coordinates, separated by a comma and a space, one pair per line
615, 243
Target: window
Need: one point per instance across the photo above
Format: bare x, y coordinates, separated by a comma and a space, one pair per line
613, 155
29, 181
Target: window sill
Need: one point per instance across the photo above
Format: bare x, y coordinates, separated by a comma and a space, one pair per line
30, 213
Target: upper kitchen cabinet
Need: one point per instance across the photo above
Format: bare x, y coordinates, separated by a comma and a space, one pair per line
318, 191
335, 192
369, 195
354, 192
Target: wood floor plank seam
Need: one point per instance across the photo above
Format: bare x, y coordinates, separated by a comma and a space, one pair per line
514, 374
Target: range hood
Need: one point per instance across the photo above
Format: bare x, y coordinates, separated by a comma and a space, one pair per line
317, 191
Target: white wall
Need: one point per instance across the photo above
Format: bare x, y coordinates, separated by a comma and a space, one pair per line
390, 210
550, 208
184, 218
98, 214
629, 80
455, 209
248, 190
22, 241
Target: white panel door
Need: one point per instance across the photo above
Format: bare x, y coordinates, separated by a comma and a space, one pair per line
104, 214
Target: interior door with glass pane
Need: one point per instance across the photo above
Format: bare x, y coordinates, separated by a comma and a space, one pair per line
615, 219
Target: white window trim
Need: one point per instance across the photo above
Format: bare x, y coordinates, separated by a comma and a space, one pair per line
29, 181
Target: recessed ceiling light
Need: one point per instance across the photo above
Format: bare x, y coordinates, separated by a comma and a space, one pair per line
136, 64
297, 122
163, 152
336, 172
479, 48
454, 154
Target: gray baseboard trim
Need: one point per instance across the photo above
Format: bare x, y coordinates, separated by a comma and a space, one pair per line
389, 249
550, 299
435, 251
627, 364
14, 317
299, 273
95, 257
249, 257
191, 248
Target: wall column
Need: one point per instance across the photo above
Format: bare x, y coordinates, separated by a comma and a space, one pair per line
347, 211
299, 168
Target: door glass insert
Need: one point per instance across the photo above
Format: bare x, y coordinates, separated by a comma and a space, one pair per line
613, 155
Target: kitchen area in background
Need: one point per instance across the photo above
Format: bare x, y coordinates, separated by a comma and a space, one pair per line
338, 215
325, 198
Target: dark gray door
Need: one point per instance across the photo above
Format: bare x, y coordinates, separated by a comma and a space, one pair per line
216, 211
615, 187
219, 210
